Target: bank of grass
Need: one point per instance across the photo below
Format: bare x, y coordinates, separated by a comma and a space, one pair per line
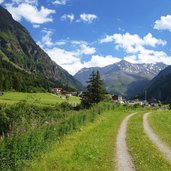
145, 155
92, 148
161, 124
28, 130
39, 98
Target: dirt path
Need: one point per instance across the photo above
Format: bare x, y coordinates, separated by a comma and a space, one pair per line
166, 150
124, 160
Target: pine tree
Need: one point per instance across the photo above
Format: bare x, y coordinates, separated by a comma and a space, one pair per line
95, 91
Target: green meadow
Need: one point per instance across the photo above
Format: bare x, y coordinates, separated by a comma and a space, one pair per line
161, 123
37, 98
144, 153
55, 136
91, 148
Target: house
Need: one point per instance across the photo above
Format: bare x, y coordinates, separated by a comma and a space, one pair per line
137, 102
58, 90
117, 99
154, 102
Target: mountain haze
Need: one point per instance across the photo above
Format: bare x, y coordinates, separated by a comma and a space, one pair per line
124, 77
20, 54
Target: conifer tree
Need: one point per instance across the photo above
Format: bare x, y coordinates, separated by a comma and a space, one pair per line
94, 92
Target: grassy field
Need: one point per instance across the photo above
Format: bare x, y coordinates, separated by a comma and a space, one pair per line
161, 124
92, 148
144, 153
59, 139
40, 98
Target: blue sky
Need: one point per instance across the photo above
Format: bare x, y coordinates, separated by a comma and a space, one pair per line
88, 33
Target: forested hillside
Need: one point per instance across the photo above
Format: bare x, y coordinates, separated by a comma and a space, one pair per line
160, 86
24, 61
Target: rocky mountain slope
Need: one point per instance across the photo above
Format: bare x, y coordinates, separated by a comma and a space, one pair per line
19, 50
160, 86
124, 77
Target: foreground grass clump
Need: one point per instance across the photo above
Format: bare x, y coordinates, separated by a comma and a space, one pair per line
91, 148
28, 130
144, 153
161, 124
37, 98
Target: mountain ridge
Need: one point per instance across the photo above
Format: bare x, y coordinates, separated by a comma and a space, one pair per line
123, 77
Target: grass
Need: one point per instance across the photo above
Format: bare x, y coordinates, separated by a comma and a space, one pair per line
92, 148
34, 129
161, 124
40, 98
144, 153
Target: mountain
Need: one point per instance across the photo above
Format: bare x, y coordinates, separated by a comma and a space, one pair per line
124, 78
160, 86
21, 57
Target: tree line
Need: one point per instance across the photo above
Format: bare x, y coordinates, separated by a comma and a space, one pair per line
12, 78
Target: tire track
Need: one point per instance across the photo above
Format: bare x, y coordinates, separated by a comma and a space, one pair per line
166, 150
124, 160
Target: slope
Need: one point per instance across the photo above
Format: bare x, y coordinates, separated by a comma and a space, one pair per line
160, 86
18, 47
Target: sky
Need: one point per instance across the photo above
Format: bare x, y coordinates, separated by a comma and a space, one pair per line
90, 33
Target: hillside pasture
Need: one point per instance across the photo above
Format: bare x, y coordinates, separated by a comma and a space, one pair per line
37, 98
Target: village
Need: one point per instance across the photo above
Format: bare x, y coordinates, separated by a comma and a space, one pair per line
118, 99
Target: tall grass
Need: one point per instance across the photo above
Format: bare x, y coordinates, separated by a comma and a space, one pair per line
27, 130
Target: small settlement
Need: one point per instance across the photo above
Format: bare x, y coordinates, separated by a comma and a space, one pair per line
119, 99
115, 98
61, 91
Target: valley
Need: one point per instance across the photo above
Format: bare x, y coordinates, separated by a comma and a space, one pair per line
85, 85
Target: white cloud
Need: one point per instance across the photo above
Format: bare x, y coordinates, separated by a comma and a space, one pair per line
25, 1
164, 23
136, 47
1, 1
69, 17
30, 13
60, 43
46, 40
149, 56
36, 25
108, 39
62, 57
149, 40
101, 61
80, 47
70, 61
132, 43
86, 50
83, 47
66, 59
59, 2
87, 18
